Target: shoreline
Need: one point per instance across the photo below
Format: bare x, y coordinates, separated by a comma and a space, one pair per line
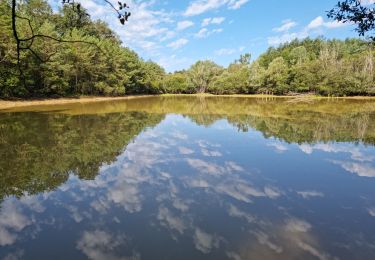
9, 104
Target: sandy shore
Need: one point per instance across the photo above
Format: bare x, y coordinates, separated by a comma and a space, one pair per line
6, 104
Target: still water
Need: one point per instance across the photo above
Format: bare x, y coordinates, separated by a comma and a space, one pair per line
189, 178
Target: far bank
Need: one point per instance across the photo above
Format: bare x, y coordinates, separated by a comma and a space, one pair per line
7, 104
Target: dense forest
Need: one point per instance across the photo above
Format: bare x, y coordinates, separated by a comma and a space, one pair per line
91, 60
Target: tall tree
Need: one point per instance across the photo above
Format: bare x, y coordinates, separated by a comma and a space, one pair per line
202, 73
277, 75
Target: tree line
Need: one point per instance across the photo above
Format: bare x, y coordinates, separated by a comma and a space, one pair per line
318, 66
90, 60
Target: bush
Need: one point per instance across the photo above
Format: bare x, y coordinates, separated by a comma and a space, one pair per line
177, 83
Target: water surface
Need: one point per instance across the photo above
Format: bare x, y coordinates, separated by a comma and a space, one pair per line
189, 178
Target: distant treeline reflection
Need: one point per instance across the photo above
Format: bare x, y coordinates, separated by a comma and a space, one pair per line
40, 150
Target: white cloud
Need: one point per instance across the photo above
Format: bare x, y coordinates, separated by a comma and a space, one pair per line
310, 194
224, 51
279, 148
147, 28
205, 242
233, 211
205, 144
313, 251
185, 151
361, 169
264, 239
236, 4
178, 43
356, 153
371, 211
209, 153
12, 220
6, 238
139, 156
287, 37
179, 135
272, 192
367, 2
204, 32
212, 20
228, 51
212, 168
286, 26
219, 30
206, 167
170, 221
173, 62
100, 244
184, 25
306, 148
201, 6
319, 22
206, 22
239, 190
315, 25
233, 166
168, 35
127, 195
297, 225
180, 205
197, 183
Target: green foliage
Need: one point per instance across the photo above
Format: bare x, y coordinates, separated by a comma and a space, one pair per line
177, 83
149, 79
235, 80
95, 63
44, 149
324, 67
202, 73
244, 59
9, 82
276, 76
92, 63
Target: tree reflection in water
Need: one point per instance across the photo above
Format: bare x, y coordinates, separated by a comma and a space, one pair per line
189, 178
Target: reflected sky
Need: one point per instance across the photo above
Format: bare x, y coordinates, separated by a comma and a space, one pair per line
178, 188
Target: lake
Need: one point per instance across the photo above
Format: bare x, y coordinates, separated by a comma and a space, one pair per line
184, 177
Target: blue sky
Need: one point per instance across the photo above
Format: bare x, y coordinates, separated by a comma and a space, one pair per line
175, 34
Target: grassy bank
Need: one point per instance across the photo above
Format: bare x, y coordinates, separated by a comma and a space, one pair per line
271, 96
6, 104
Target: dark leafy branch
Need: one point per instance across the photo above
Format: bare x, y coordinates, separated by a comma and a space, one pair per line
358, 13
122, 16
